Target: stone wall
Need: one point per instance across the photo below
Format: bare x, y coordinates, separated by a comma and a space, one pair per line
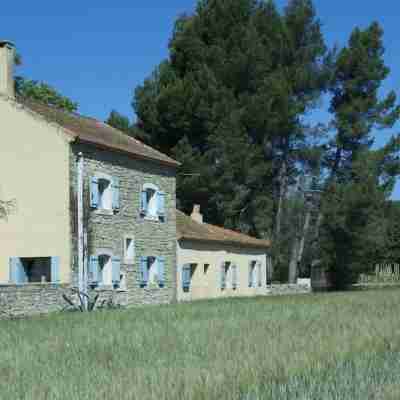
107, 231
35, 299
288, 289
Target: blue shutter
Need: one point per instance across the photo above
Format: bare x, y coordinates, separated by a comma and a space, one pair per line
55, 269
161, 270
186, 276
17, 271
116, 271
223, 276
143, 271
94, 192
94, 271
115, 194
161, 204
143, 202
250, 274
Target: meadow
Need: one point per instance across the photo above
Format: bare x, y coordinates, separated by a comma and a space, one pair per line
322, 346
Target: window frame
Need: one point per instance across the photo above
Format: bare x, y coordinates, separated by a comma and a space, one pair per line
129, 260
155, 215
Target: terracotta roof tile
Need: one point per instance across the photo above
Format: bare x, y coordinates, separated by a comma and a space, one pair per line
189, 229
90, 130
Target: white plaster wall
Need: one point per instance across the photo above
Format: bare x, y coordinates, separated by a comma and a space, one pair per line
34, 170
207, 285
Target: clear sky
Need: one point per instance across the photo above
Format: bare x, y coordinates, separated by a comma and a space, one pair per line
97, 52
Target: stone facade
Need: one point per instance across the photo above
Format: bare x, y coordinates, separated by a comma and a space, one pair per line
107, 231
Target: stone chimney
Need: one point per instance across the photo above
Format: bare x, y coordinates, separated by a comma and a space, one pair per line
7, 58
196, 215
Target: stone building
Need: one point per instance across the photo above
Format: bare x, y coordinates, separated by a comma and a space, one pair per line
214, 262
92, 207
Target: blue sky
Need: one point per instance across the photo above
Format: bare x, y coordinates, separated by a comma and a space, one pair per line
97, 52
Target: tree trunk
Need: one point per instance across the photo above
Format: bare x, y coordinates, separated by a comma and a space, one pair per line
282, 193
304, 235
293, 261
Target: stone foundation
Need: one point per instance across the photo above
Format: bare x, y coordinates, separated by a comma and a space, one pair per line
36, 299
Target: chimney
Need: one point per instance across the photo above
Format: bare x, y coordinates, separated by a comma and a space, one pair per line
196, 215
7, 58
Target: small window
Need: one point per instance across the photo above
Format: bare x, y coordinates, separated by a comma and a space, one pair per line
34, 270
129, 249
206, 267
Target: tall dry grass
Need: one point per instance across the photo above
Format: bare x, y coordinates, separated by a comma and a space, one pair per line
333, 346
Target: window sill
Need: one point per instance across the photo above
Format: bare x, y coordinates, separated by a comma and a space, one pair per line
101, 211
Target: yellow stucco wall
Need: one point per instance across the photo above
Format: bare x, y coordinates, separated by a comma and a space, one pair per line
34, 170
207, 284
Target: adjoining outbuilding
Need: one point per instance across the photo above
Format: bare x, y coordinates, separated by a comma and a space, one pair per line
215, 262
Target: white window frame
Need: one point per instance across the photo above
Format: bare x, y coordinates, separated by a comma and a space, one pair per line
108, 253
105, 199
129, 254
152, 203
152, 268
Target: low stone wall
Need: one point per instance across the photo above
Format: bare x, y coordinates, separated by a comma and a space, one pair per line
288, 289
36, 299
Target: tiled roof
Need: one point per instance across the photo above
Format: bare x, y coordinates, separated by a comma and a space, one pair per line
189, 229
90, 130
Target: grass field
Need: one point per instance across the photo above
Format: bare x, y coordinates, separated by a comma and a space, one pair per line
331, 346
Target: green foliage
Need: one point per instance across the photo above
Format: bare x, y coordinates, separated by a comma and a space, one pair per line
344, 347
228, 105
42, 92
361, 179
119, 121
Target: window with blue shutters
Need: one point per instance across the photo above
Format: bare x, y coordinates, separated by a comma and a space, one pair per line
105, 193
152, 203
152, 271
34, 270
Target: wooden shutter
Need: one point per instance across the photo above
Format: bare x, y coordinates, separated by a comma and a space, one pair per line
143, 202
161, 204
18, 274
115, 194
55, 269
144, 272
161, 270
186, 275
94, 192
116, 271
94, 270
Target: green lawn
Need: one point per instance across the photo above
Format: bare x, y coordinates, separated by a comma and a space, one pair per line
330, 346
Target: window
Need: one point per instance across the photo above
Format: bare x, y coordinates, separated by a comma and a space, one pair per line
104, 269
255, 274
152, 203
105, 199
104, 193
188, 271
34, 270
206, 267
225, 272
129, 249
152, 271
